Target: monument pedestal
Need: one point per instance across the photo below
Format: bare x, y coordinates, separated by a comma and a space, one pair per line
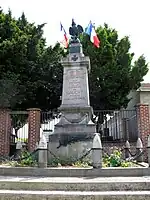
75, 124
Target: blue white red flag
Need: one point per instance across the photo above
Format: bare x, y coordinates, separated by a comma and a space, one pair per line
90, 30
65, 40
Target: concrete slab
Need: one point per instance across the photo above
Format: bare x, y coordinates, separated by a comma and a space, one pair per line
75, 184
75, 172
72, 195
74, 179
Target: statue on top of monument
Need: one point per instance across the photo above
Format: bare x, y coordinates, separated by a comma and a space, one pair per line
75, 31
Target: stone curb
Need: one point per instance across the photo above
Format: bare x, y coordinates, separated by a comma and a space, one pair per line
49, 186
61, 195
74, 172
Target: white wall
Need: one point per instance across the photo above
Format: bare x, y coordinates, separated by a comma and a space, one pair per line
145, 97
135, 99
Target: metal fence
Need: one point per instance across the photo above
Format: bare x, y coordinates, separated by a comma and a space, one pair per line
48, 122
116, 125
112, 125
19, 126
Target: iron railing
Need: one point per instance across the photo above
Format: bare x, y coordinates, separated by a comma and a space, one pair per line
19, 126
49, 120
116, 125
112, 125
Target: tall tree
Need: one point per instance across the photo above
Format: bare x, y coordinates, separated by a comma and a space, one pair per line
112, 73
28, 68
30, 72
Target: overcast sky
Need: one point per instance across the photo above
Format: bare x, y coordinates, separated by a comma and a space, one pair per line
128, 17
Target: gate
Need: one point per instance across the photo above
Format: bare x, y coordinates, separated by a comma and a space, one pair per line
19, 126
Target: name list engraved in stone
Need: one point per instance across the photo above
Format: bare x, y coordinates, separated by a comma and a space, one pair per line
75, 80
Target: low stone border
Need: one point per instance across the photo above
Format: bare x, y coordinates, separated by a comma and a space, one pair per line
74, 195
75, 172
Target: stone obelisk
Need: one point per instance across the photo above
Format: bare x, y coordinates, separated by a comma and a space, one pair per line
75, 124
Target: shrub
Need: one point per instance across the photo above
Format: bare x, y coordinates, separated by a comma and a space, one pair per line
115, 160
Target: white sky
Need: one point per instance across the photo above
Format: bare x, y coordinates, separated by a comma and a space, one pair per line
128, 17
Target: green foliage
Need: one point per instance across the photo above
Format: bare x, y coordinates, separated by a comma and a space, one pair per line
84, 164
31, 74
115, 160
18, 120
63, 161
26, 160
112, 73
23, 140
58, 162
29, 159
28, 68
54, 162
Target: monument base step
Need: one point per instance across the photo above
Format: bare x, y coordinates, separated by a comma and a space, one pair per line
75, 184
73, 195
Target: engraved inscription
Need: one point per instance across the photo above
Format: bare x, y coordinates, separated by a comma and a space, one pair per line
74, 90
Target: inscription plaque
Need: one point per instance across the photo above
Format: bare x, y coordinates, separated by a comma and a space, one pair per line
75, 86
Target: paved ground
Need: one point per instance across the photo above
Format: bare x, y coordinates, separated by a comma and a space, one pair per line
74, 193
69, 188
74, 179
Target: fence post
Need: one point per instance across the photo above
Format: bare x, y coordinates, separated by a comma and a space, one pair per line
148, 149
139, 149
143, 123
34, 121
5, 131
18, 149
125, 128
127, 149
42, 152
97, 152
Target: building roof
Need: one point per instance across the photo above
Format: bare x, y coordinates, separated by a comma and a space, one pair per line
144, 87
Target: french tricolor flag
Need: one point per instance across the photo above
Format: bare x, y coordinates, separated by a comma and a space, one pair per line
90, 30
65, 40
